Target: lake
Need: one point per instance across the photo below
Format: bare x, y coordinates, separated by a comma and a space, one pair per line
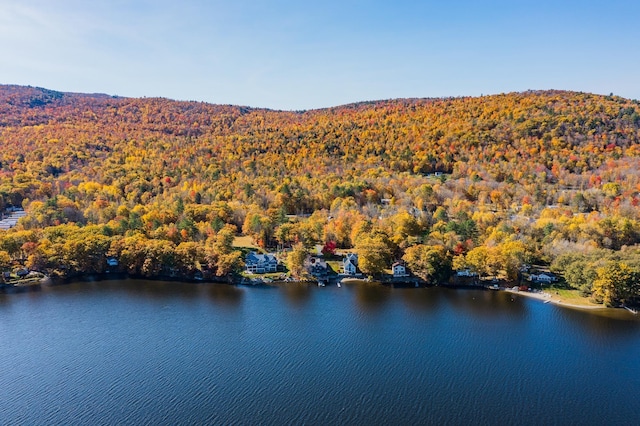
149, 352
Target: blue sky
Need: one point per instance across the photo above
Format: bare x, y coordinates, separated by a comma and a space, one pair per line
285, 54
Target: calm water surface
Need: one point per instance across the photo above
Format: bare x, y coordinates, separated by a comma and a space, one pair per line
140, 352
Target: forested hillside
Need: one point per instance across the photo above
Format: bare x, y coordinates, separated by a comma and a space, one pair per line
488, 183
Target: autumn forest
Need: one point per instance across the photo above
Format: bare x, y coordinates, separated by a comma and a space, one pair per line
488, 184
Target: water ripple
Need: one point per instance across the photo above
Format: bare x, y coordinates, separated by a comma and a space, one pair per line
134, 353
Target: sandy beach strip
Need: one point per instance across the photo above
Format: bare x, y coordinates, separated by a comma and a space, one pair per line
546, 297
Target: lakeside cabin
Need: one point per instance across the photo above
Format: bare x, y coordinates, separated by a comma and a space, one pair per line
256, 263
466, 273
350, 264
317, 267
399, 270
543, 278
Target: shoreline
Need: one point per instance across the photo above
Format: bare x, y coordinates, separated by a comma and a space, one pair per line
548, 298
540, 296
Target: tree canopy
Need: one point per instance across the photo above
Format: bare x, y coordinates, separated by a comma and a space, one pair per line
494, 181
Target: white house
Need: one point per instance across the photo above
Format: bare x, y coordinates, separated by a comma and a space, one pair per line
399, 270
350, 264
543, 278
466, 273
260, 263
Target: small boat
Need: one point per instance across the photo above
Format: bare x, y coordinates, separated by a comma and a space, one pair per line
547, 301
339, 285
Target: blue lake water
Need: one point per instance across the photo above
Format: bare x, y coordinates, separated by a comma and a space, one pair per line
147, 352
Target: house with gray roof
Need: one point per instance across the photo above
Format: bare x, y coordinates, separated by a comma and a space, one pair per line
257, 263
350, 264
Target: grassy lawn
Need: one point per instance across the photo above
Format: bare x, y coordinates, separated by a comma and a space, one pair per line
569, 296
335, 265
245, 244
244, 241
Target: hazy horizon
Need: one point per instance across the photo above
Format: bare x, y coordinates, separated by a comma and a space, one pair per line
309, 109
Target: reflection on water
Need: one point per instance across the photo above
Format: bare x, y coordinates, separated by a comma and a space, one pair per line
600, 323
371, 297
614, 314
297, 294
144, 289
225, 295
160, 290
420, 299
485, 303
151, 352
164, 291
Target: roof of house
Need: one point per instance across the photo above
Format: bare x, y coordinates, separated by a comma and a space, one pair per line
317, 262
351, 257
254, 257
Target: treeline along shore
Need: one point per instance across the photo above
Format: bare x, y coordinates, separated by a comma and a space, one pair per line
484, 186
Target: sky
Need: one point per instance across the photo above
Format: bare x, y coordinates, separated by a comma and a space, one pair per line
296, 55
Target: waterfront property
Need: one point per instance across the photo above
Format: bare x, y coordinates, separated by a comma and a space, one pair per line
545, 278
21, 278
317, 267
256, 263
350, 264
399, 270
466, 273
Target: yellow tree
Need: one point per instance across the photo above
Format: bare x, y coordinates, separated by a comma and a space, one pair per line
296, 259
5, 260
478, 260
512, 255
403, 226
374, 253
431, 263
616, 282
189, 256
